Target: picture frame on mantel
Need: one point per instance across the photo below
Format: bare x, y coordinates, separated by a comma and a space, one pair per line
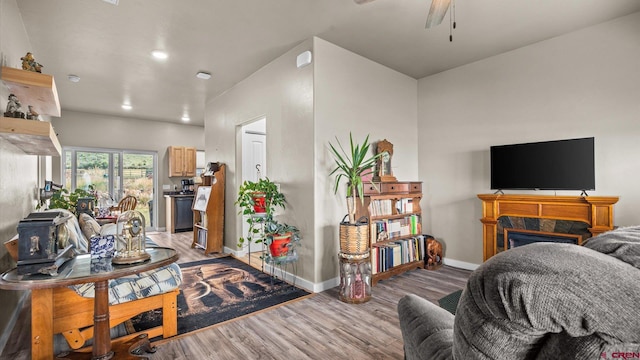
384, 172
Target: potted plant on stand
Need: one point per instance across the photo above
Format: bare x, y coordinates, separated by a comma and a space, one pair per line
258, 201
355, 267
281, 240
352, 167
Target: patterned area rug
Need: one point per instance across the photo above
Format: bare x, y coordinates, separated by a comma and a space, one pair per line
450, 302
217, 290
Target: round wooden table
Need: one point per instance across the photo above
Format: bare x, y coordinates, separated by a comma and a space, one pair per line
79, 271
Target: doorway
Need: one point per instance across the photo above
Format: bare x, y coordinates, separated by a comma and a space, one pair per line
254, 161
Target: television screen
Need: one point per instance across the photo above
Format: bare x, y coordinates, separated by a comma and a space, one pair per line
550, 165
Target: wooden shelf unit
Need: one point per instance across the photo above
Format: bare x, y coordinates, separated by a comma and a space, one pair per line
38, 90
208, 226
381, 202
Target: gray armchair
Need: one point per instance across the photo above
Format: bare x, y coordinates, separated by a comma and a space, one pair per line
539, 301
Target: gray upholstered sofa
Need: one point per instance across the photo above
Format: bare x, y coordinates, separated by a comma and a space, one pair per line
539, 301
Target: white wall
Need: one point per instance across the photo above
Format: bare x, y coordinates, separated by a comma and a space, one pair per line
111, 132
582, 84
18, 171
284, 95
305, 109
354, 94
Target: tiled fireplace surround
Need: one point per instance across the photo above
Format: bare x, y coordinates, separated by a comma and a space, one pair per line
585, 216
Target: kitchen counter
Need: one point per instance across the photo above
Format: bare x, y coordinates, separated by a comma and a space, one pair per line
178, 193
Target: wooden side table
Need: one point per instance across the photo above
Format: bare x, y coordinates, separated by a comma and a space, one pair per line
79, 271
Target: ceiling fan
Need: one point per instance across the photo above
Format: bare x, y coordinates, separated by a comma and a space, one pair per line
436, 12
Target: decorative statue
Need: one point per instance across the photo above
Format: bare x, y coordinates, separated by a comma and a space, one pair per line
32, 114
30, 64
434, 254
14, 108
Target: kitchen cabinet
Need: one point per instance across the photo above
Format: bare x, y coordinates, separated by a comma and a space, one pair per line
182, 161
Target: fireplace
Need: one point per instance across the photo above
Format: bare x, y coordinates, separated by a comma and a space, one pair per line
586, 215
520, 237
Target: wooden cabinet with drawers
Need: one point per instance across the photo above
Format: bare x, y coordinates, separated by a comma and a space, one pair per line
395, 218
182, 161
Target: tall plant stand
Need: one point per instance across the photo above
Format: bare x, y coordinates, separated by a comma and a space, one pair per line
355, 278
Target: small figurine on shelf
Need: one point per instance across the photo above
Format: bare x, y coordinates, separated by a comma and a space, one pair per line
32, 114
30, 64
14, 108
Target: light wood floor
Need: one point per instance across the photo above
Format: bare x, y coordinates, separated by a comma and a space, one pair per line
318, 327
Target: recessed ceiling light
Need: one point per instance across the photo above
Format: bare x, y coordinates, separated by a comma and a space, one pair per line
159, 54
185, 118
112, 2
127, 106
203, 75
73, 78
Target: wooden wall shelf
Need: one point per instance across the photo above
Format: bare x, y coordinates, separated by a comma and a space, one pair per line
32, 88
38, 90
32, 136
596, 211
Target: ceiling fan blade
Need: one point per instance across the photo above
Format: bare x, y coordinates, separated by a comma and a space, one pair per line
436, 12
360, 2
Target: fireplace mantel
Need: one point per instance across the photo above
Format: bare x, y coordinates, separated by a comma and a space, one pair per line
596, 211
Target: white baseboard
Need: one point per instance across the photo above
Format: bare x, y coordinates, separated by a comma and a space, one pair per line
460, 264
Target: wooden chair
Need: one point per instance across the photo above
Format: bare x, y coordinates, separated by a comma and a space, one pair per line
126, 203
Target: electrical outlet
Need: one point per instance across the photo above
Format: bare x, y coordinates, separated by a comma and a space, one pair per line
166, 187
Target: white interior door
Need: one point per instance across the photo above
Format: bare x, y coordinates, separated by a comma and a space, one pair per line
254, 160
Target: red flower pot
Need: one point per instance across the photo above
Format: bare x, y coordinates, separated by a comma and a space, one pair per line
279, 246
259, 203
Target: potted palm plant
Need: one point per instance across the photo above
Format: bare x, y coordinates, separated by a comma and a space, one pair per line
258, 200
352, 166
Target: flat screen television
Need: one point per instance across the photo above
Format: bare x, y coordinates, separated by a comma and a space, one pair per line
549, 165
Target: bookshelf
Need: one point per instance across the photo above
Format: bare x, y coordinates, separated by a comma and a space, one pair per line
395, 220
208, 213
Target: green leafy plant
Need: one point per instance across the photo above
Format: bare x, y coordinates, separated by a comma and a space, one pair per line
63, 199
352, 166
274, 230
273, 199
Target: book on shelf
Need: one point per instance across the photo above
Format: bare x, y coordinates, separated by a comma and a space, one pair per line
202, 237
380, 207
389, 229
385, 256
404, 206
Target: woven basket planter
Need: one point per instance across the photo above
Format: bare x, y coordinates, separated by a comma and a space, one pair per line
354, 238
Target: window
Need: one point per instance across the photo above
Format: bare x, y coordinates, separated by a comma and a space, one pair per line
117, 173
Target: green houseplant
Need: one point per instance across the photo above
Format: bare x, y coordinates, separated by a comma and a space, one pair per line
63, 199
258, 201
351, 166
280, 237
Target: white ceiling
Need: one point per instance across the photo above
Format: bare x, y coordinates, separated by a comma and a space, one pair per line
109, 46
